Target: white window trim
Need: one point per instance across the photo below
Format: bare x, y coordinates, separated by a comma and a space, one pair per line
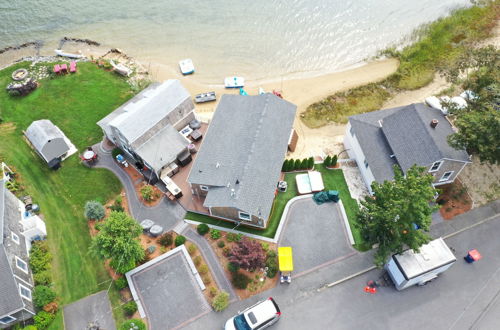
12, 319
437, 169
443, 179
21, 293
24, 262
15, 237
243, 218
203, 188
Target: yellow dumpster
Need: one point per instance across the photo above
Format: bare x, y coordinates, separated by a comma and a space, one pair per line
285, 260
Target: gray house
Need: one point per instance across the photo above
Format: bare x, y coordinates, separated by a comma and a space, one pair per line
147, 126
16, 284
239, 163
413, 134
48, 141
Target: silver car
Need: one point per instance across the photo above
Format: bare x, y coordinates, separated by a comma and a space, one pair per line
260, 316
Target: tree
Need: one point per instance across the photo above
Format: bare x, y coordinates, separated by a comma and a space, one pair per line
202, 229
310, 162
248, 254
334, 160
94, 210
297, 164
284, 168
221, 301
117, 240
391, 217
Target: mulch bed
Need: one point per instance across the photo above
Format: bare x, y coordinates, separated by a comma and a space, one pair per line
454, 200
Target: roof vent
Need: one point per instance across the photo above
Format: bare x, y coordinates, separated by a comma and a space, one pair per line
217, 165
434, 123
237, 181
232, 193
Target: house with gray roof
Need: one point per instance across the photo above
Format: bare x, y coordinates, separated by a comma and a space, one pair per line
403, 136
239, 163
147, 126
48, 141
16, 284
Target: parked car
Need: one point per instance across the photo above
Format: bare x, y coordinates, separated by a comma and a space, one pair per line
259, 316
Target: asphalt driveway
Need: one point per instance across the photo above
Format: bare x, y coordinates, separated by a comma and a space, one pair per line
317, 235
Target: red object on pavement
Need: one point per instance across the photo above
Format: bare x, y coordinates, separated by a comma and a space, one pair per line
373, 290
475, 254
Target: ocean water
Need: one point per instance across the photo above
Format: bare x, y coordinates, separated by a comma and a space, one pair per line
259, 39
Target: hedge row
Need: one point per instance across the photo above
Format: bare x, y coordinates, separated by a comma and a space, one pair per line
297, 164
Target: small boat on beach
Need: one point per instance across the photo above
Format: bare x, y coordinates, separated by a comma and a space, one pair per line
234, 82
205, 97
60, 52
186, 66
243, 92
261, 91
121, 69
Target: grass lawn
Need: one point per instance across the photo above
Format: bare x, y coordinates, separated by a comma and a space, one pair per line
439, 44
74, 103
333, 180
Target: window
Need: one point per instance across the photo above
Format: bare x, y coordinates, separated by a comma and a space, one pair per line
435, 166
204, 188
25, 292
22, 265
446, 176
243, 215
366, 163
15, 238
7, 320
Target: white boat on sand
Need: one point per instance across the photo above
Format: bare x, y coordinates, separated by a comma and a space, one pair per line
234, 82
186, 66
60, 52
121, 69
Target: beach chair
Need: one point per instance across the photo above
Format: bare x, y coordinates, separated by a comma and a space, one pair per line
72, 67
64, 68
57, 69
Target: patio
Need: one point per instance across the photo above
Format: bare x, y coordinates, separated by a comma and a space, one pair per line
94, 309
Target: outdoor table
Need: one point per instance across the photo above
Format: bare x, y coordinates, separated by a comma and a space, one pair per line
89, 155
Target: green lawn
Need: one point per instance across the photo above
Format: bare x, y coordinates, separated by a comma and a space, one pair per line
333, 180
74, 103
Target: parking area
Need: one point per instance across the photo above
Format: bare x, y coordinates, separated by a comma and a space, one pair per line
94, 309
164, 284
317, 235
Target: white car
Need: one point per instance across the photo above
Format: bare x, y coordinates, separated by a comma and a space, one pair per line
260, 316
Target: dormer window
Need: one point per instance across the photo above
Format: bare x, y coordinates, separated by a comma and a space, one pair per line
435, 166
14, 237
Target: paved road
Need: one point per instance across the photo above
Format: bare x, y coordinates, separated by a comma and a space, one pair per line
464, 297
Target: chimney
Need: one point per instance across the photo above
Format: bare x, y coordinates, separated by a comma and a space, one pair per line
434, 123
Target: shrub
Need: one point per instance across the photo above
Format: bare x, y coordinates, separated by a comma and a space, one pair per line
284, 167
166, 239
215, 234
192, 249
43, 319
248, 254
297, 164
203, 269
40, 257
130, 308
240, 280
221, 244
117, 205
52, 307
272, 267
310, 162
221, 301
197, 261
327, 161
94, 210
98, 226
202, 229
304, 164
271, 254
334, 160
231, 237
265, 246
206, 279
213, 291
226, 251
43, 278
135, 324
42, 295
116, 152
120, 283
179, 240
233, 267
147, 193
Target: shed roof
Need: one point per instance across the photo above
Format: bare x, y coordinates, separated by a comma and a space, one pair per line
243, 151
41, 132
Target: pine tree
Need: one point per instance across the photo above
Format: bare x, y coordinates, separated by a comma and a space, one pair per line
310, 162
327, 161
284, 167
333, 161
297, 165
303, 164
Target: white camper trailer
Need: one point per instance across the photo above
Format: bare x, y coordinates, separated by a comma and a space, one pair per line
410, 268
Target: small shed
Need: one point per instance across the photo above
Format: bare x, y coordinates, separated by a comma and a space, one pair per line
48, 141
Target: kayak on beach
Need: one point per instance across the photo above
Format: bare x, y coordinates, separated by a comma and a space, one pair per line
60, 52
186, 66
234, 82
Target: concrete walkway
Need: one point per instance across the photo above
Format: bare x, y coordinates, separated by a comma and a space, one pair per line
166, 214
212, 262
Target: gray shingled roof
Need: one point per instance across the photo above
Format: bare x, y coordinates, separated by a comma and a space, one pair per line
142, 112
246, 143
40, 132
406, 133
162, 148
10, 300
